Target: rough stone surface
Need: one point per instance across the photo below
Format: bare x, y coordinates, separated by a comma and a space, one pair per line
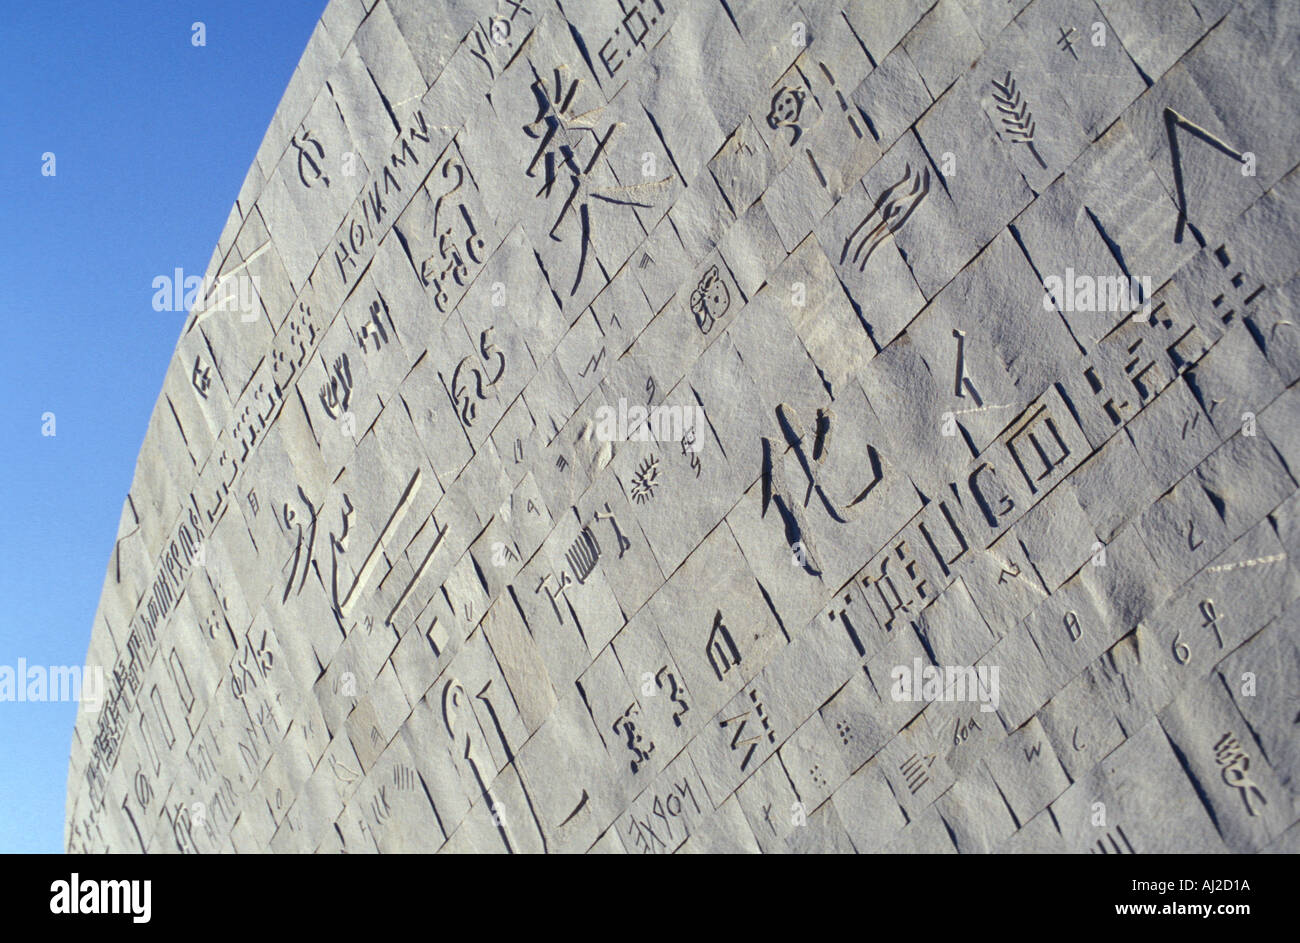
389, 578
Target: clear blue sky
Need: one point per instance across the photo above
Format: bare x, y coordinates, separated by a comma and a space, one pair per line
152, 137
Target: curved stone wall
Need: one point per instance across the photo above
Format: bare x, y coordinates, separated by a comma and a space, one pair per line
729, 425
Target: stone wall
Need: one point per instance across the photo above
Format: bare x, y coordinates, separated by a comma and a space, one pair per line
694, 425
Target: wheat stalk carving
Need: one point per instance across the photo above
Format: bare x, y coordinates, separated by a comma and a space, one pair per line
1016, 117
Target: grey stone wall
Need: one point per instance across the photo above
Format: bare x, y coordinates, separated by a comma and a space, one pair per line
614, 426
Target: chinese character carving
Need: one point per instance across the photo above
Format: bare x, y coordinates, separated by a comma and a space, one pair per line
560, 134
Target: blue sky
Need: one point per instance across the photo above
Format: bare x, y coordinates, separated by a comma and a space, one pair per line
152, 137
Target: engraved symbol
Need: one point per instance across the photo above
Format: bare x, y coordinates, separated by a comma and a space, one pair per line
1174, 121
608, 515
1016, 117
787, 106
634, 739
821, 177
720, 648
466, 408
645, 480
962, 731
915, 770
1192, 543
1138, 376
582, 555
811, 449
462, 726
564, 582
750, 742
1064, 41
143, 791
662, 808
480, 53
403, 778
576, 809
244, 680
1039, 432
887, 590
415, 578
844, 105
182, 831
963, 381
691, 451
343, 773
201, 379
379, 807
500, 31
559, 157
646, 259
1211, 619
364, 570
894, 205
449, 225
503, 554
431, 639
1226, 309
305, 157
374, 328
593, 363
1114, 848
1236, 765
673, 692
336, 395
518, 7
710, 300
